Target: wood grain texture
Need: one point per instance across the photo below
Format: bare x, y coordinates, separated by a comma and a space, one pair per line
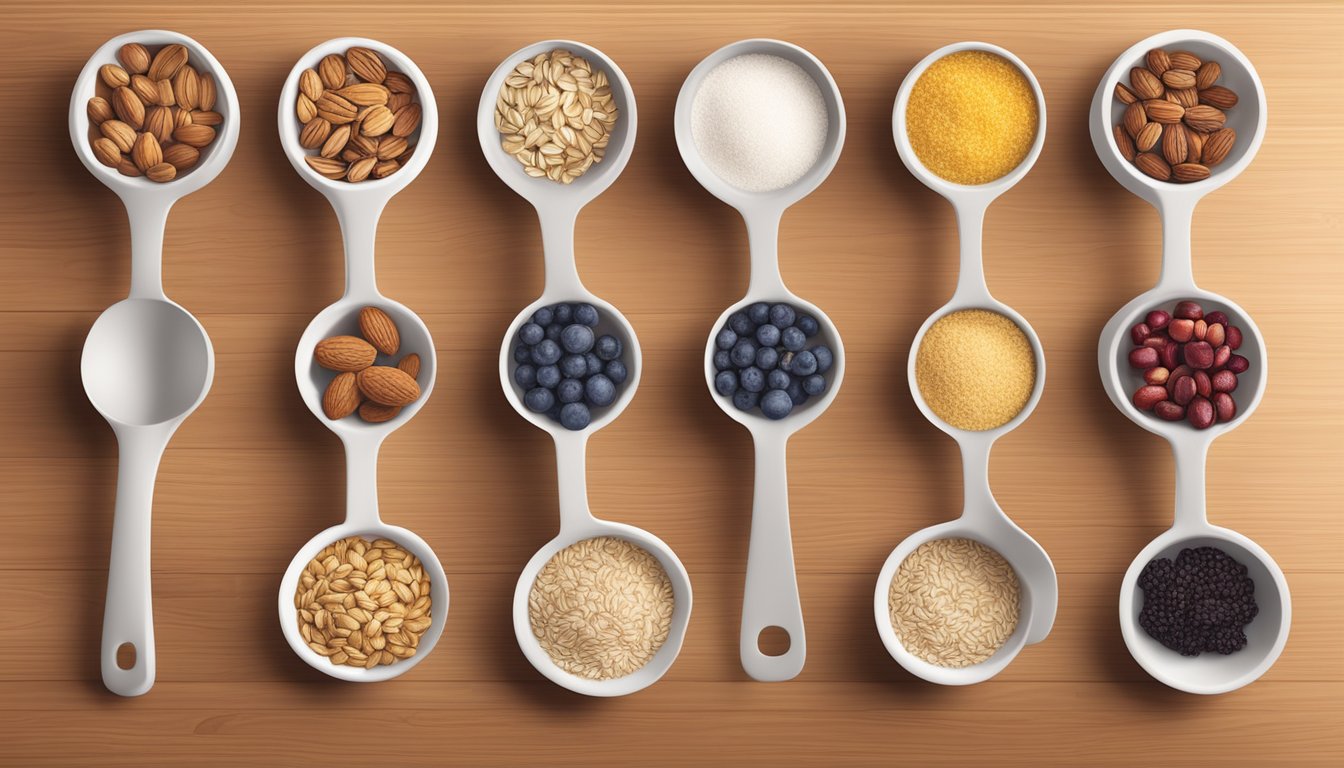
252, 474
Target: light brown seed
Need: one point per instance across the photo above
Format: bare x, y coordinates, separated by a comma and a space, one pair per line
1186, 97
1163, 111
1148, 137
360, 169
182, 156
206, 83
365, 94
107, 152
310, 84
134, 57
377, 413
146, 152
406, 120
1185, 60
367, 65
305, 109
114, 76
1217, 146
332, 169
1174, 146
335, 109
1208, 74
314, 133
1124, 95
1135, 118
1178, 78
332, 71
1158, 61
120, 133
1145, 84
335, 143
1218, 96
187, 88
206, 117
1204, 118
342, 397
161, 173
99, 110
195, 135
377, 121
159, 121
166, 97
1154, 166
1194, 141
146, 89
127, 167
1124, 143
1187, 172
181, 117
397, 82
167, 61
128, 107
411, 365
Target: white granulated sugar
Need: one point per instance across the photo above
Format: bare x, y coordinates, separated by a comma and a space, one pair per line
759, 122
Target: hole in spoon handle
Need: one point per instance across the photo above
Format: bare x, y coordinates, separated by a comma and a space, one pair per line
771, 595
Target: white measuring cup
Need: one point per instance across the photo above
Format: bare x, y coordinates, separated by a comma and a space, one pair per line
147, 363
557, 209
358, 207
1266, 635
982, 519
770, 597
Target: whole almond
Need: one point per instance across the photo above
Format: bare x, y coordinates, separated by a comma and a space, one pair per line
100, 110
398, 82
335, 109
134, 57
1154, 166
406, 120
314, 133
1185, 60
391, 146
335, 142
206, 84
1186, 97
1163, 111
342, 396
332, 169
120, 133
1218, 96
159, 121
367, 65
181, 117
365, 94
1174, 146
161, 173
344, 353
206, 117
1124, 143
1178, 78
411, 365
332, 71
1124, 95
1194, 142
146, 89
114, 76
1187, 172
187, 88
167, 61
146, 152
351, 155
128, 107
107, 152
1208, 74
364, 146
377, 121
377, 413
398, 100
1158, 61
378, 327
387, 385
385, 168
1217, 145
166, 97
195, 135
1204, 118
1135, 118
310, 84
127, 167
1145, 84
305, 109
182, 156
1148, 137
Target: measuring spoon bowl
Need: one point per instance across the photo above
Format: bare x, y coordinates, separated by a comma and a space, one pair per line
407, 540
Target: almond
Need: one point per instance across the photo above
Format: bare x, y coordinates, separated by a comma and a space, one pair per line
1158, 61
114, 76
1178, 78
310, 84
1124, 95
407, 119
331, 70
398, 82
332, 169
206, 117
120, 133
165, 97
305, 109
1186, 97
1217, 145
187, 88
100, 110
361, 169
169, 59
1187, 172
127, 168
146, 152
364, 146
195, 135
377, 121
146, 89
385, 168
1174, 146
161, 172
1135, 118
377, 413
387, 385
1194, 142
181, 117
1185, 60
106, 152
335, 142
365, 94
1204, 118
1124, 143
1208, 74
314, 133
398, 100
367, 65
378, 328
134, 57
411, 365
390, 147
1163, 111
344, 353
128, 107
1148, 137
1154, 166
206, 85
342, 397
182, 156
1218, 96
335, 109
159, 121
1145, 84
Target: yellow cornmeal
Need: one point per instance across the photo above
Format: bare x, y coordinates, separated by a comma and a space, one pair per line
975, 369
971, 117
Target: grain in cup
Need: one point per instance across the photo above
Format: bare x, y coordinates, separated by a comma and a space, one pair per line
975, 369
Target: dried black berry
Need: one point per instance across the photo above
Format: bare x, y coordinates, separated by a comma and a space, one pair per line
1200, 602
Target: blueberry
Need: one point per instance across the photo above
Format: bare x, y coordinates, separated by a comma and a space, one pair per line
759, 313
585, 314
525, 376
804, 364
745, 401
608, 347
824, 358
553, 413
575, 416
599, 391
522, 353
539, 400
564, 313
782, 315
792, 339
776, 404
615, 371
808, 325
786, 362
768, 335
814, 384
777, 379
594, 364
553, 332
767, 358
548, 376
577, 338
569, 391
795, 392
531, 333
543, 317
753, 379
573, 366
743, 354
741, 324
546, 353
726, 339
725, 383
723, 362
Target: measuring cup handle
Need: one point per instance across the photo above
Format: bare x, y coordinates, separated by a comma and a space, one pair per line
771, 597
358, 212
128, 613
1177, 212
557, 242
763, 240
361, 477
571, 482
971, 286
149, 217
1190, 451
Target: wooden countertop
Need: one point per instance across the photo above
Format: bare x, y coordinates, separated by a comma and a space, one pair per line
252, 474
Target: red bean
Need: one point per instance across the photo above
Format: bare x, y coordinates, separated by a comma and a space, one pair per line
1139, 332
1143, 358
1157, 319
1198, 354
1224, 406
1169, 411
1203, 385
1216, 317
1156, 375
1146, 397
1221, 356
1201, 413
1184, 391
1189, 310
1238, 364
1201, 328
1175, 375
1181, 330
1233, 337
1216, 334
1224, 381
1171, 354
1156, 342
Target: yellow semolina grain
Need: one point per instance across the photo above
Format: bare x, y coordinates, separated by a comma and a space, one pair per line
975, 369
972, 117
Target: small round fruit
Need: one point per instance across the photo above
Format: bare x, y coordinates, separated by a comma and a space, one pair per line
600, 391
725, 339
804, 364
594, 364
576, 338
752, 379
745, 401
573, 366
553, 332
539, 399
586, 314
722, 361
1157, 320
741, 324
777, 379
824, 358
608, 347
543, 317
525, 376
814, 384
725, 383
743, 354
616, 371
531, 334
767, 335
564, 313
1200, 413
795, 391
1224, 407
569, 391
767, 358
575, 416
759, 313
522, 354
1143, 358
546, 353
776, 404
792, 339
808, 325
548, 376
1189, 310
782, 315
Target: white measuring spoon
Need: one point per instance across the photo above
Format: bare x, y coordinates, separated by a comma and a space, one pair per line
557, 209
981, 519
358, 207
771, 595
147, 363
1266, 635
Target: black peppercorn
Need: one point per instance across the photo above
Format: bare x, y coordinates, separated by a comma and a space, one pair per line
1200, 602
